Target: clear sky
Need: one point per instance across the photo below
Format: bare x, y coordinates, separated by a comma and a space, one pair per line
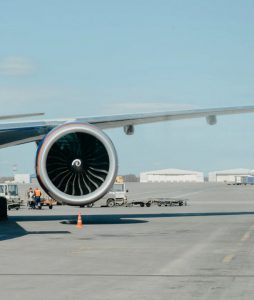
83, 58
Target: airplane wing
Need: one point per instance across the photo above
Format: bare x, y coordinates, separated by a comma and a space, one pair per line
32, 131
18, 116
144, 118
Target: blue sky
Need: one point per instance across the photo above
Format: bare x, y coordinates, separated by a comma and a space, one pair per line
83, 58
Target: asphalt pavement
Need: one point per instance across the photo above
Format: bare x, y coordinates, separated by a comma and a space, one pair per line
200, 251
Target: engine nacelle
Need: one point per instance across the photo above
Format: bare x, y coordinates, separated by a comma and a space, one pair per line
76, 163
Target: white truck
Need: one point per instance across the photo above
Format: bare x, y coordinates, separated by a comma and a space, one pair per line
117, 196
9, 198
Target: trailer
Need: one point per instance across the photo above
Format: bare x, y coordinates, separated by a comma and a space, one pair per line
248, 180
141, 203
158, 202
13, 205
170, 202
47, 201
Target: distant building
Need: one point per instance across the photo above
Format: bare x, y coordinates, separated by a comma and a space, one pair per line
6, 178
171, 175
22, 178
228, 176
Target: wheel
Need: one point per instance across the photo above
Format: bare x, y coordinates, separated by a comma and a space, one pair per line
142, 204
50, 206
3, 208
148, 204
90, 205
110, 202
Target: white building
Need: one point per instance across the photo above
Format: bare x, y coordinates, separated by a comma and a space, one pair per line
22, 178
171, 175
228, 175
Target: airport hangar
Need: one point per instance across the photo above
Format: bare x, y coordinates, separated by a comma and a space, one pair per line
171, 175
228, 175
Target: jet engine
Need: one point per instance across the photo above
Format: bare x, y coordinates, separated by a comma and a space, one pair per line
76, 163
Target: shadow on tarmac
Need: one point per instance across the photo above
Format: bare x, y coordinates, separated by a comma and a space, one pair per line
122, 218
10, 229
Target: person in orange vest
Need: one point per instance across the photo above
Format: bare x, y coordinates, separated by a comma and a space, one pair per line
37, 197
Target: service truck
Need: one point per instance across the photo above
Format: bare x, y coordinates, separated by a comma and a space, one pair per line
9, 198
248, 180
238, 180
117, 196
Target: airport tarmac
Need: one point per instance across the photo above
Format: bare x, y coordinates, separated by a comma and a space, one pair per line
203, 250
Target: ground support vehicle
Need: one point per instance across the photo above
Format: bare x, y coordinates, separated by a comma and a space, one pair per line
117, 196
9, 198
248, 180
48, 202
169, 202
43, 202
158, 201
13, 205
238, 180
141, 203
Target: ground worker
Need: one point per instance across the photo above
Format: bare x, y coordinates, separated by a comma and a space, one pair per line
37, 197
30, 196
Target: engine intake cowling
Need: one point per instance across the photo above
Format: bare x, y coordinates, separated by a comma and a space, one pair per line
76, 163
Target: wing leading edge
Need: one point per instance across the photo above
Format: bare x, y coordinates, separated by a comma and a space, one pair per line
115, 121
31, 131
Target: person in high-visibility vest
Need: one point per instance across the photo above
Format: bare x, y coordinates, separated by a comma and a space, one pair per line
37, 197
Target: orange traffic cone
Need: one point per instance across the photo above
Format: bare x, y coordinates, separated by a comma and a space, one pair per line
79, 223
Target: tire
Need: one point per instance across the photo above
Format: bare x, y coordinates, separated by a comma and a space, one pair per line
148, 204
142, 204
90, 205
50, 206
110, 202
3, 208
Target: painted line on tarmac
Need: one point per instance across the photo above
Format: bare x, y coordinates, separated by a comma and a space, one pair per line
228, 258
246, 236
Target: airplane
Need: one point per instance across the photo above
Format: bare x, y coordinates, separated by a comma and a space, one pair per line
76, 162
